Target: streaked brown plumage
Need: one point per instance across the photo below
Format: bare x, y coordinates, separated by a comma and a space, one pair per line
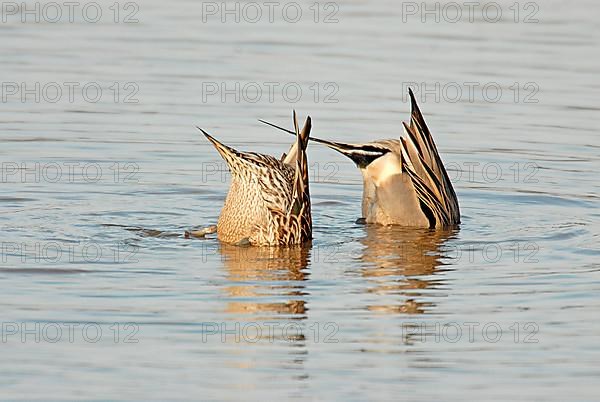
405, 182
268, 203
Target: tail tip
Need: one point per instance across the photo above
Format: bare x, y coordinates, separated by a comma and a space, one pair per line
305, 132
204, 132
413, 100
308, 123
211, 139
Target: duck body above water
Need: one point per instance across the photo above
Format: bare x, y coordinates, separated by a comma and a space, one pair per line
268, 203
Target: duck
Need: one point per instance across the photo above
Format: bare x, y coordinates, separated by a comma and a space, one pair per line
268, 203
404, 180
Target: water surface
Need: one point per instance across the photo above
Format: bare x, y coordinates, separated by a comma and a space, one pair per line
95, 198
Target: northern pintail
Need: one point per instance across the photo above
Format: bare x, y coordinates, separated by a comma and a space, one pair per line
405, 182
268, 203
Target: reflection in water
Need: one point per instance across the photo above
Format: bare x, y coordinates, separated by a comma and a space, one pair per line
266, 286
269, 274
396, 259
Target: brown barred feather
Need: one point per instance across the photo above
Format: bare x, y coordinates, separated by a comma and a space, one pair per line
268, 203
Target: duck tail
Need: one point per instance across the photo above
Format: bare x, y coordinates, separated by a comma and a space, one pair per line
230, 155
301, 209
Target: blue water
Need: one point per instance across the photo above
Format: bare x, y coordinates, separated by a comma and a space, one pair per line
103, 298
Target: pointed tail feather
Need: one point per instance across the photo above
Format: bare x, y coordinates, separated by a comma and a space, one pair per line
232, 157
320, 141
361, 154
428, 156
418, 121
225, 151
301, 185
301, 208
292, 154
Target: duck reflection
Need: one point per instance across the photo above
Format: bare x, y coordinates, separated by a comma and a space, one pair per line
261, 276
266, 296
398, 260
